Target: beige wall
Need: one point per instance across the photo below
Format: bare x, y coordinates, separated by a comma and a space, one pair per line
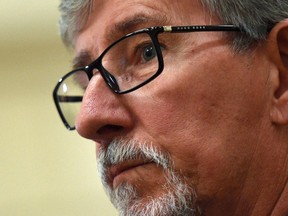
44, 169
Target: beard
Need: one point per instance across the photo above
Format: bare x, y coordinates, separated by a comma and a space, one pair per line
178, 198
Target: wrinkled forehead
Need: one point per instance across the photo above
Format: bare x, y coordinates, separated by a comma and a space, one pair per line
112, 19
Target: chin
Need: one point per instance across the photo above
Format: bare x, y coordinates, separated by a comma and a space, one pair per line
174, 197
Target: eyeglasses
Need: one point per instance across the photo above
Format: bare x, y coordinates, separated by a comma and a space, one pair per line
126, 65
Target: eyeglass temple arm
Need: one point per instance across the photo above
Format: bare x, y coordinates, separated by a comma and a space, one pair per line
200, 28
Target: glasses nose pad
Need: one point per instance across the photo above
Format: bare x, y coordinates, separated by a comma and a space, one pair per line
111, 81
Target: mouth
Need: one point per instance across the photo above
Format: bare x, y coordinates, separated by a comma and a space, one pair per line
115, 171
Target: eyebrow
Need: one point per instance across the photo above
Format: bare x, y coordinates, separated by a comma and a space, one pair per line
128, 25
133, 23
82, 59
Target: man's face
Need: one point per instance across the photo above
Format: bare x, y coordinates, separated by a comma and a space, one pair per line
197, 125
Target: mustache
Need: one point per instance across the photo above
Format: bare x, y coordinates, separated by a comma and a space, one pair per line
120, 150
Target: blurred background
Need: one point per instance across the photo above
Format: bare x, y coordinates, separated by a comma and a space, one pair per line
45, 170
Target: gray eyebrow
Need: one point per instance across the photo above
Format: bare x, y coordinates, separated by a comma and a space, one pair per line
132, 23
82, 59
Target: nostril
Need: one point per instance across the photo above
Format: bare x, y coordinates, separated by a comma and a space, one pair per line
108, 129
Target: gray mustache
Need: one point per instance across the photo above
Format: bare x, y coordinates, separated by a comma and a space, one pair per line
121, 150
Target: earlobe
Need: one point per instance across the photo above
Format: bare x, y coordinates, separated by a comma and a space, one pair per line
279, 53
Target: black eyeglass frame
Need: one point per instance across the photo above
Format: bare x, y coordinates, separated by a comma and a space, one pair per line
109, 78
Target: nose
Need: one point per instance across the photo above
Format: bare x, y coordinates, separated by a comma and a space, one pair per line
103, 114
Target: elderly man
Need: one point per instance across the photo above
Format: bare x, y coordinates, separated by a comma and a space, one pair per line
187, 102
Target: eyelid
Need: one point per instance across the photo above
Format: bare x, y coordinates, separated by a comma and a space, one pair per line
143, 44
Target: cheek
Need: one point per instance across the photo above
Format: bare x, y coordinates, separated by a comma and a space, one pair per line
202, 113
183, 101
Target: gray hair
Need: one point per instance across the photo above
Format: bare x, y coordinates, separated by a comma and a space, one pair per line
74, 15
255, 17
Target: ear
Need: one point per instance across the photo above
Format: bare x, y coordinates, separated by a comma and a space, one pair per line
278, 47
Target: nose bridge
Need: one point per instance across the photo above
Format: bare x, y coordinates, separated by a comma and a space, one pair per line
103, 114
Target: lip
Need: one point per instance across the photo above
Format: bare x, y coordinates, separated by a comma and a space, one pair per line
116, 170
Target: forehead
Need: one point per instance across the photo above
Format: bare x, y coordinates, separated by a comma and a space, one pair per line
111, 19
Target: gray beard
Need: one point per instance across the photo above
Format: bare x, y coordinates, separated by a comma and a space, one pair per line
179, 200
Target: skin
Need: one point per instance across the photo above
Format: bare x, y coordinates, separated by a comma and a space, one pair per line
222, 118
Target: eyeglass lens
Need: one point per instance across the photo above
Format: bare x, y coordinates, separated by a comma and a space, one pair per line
131, 61
70, 94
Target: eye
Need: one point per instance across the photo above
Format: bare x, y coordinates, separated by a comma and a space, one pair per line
149, 53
